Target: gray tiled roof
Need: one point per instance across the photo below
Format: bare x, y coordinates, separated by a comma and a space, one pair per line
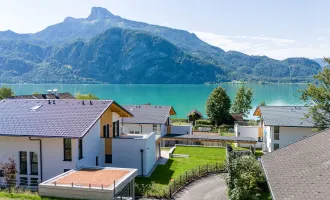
147, 114
300, 170
65, 118
293, 116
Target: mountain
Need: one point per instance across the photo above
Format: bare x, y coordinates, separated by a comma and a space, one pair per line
115, 56
321, 62
71, 51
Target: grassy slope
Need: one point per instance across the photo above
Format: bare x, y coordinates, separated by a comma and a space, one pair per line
177, 166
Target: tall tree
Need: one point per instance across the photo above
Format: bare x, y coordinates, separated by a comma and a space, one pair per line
218, 106
86, 96
318, 96
243, 99
5, 92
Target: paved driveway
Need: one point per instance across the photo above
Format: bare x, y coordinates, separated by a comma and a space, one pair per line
209, 188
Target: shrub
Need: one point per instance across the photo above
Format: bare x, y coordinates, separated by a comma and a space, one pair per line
203, 122
245, 178
178, 120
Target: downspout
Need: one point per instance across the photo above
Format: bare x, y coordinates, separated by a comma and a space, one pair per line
40, 150
141, 150
141, 127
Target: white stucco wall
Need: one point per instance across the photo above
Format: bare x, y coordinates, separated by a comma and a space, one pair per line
126, 153
92, 147
288, 135
248, 131
146, 128
181, 129
52, 154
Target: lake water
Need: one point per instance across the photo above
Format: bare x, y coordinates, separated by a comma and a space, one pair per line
182, 97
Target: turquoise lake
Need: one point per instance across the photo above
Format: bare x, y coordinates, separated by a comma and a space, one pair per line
182, 97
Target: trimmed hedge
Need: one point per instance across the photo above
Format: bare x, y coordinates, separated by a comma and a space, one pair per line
178, 120
203, 122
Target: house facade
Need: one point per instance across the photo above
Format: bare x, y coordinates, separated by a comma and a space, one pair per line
49, 137
282, 125
279, 126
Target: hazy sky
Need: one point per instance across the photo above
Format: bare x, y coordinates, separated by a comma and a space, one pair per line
276, 28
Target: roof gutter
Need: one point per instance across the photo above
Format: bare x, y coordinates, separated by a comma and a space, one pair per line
269, 186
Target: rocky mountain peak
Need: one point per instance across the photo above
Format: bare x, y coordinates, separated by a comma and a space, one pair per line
99, 13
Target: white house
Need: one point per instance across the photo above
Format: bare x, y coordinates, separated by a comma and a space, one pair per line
282, 125
49, 137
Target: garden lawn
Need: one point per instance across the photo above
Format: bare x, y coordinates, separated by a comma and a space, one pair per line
198, 156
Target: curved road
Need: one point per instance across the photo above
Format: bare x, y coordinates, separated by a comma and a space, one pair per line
208, 188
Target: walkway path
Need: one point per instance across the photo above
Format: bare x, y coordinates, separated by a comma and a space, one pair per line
208, 188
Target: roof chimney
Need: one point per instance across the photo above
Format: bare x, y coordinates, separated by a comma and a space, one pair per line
90, 103
49, 102
83, 103
53, 101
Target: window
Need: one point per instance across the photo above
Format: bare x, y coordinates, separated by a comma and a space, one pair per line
80, 148
276, 133
106, 131
117, 127
154, 127
23, 162
67, 149
66, 170
33, 181
276, 146
260, 139
1, 173
131, 132
34, 163
97, 161
23, 181
137, 132
108, 158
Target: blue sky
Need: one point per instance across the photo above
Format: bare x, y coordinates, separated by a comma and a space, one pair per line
278, 28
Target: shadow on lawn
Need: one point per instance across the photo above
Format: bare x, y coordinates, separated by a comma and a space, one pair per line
161, 175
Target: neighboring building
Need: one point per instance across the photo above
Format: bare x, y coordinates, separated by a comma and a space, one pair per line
93, 183
148, 118
153, 118
194, 115
279, 126
300, 170
51, 94
48, 137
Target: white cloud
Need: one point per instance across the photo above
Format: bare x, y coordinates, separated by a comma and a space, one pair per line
278, 48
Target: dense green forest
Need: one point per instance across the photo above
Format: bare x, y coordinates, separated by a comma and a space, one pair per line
104, 48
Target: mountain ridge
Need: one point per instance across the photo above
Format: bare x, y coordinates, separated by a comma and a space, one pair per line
234, 65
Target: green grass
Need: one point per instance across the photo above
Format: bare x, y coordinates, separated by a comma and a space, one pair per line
174, 167
228, 134
25, 195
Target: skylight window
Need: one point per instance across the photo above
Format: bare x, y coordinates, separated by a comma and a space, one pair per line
34, 108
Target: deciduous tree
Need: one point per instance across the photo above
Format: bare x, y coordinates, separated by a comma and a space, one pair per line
317, 96
243, 99
218, 106
86, 96
5, 92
